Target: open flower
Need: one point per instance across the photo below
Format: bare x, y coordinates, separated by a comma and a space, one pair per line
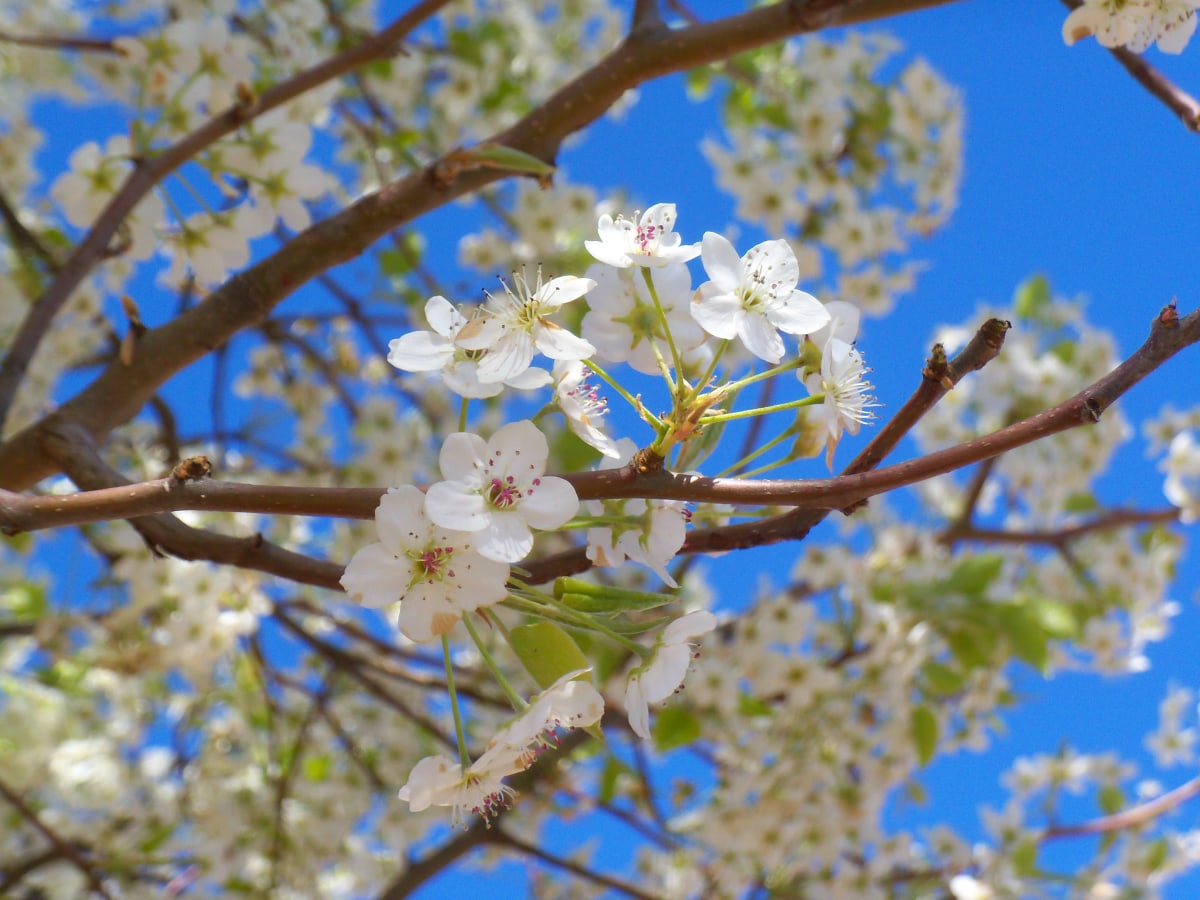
754, 297
434, 573
650, 241
583, 406
497, 490
655, 682
842, 380
434, 351
517, 323
440, 781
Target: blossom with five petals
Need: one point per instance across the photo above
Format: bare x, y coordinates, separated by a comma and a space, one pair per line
754, 297
517, 323
842, 380
434, 573
650, 241
498, 489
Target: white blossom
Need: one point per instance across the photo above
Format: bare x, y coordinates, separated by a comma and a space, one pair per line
434, 573
583, 406
754, 297
662, 676
498, 490
650, 241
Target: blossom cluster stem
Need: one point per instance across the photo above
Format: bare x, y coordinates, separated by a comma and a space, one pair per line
516, 699
463, 756
814, 400
676, 359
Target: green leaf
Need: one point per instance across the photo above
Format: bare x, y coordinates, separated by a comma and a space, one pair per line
924, 726
1156, 855
1057, 619
675, 726
1025, 635
1024, 858
589, 597
1111, 799
753, 706
547, 652
1032, 296
1080, 503
941, 678
318, 768
613, 770
498, 156
973, 575
973, 647
25, 601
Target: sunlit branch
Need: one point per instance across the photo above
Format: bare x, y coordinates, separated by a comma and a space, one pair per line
1129, 818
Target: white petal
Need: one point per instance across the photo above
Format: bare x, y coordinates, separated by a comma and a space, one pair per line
721, 261
443, 317
519, 441
666, 672
551, 504
400, 519
460, 454
563, 289
760, 337
717, 313
689, 627
557, 342
420, 351
636, 708
801, 313
376, 578
506, 539
451, 505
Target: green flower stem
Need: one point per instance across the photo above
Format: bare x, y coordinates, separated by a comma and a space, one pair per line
763, 376
704, 379
462, 415
514, 698
662, 320
646, 415
568, 616
463, 756
756, 453
763, 410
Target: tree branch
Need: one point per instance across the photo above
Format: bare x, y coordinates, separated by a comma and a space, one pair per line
119, 393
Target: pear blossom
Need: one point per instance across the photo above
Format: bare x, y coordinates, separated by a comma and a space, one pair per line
1182, 465
436, 351
655, 532
754, 297
624, 326
497, 490
517, 323
842, 380
651, 241
583, 406
434, 573
440, 781
1133, 24
662, 677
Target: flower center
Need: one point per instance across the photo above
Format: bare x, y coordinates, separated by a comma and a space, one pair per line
647, 237
433, 563
503, 493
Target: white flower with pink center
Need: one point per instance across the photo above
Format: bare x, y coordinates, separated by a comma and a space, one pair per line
498, 490
434, 573
650, 241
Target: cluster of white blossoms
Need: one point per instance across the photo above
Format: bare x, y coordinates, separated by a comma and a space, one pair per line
445, 553
1134, 24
